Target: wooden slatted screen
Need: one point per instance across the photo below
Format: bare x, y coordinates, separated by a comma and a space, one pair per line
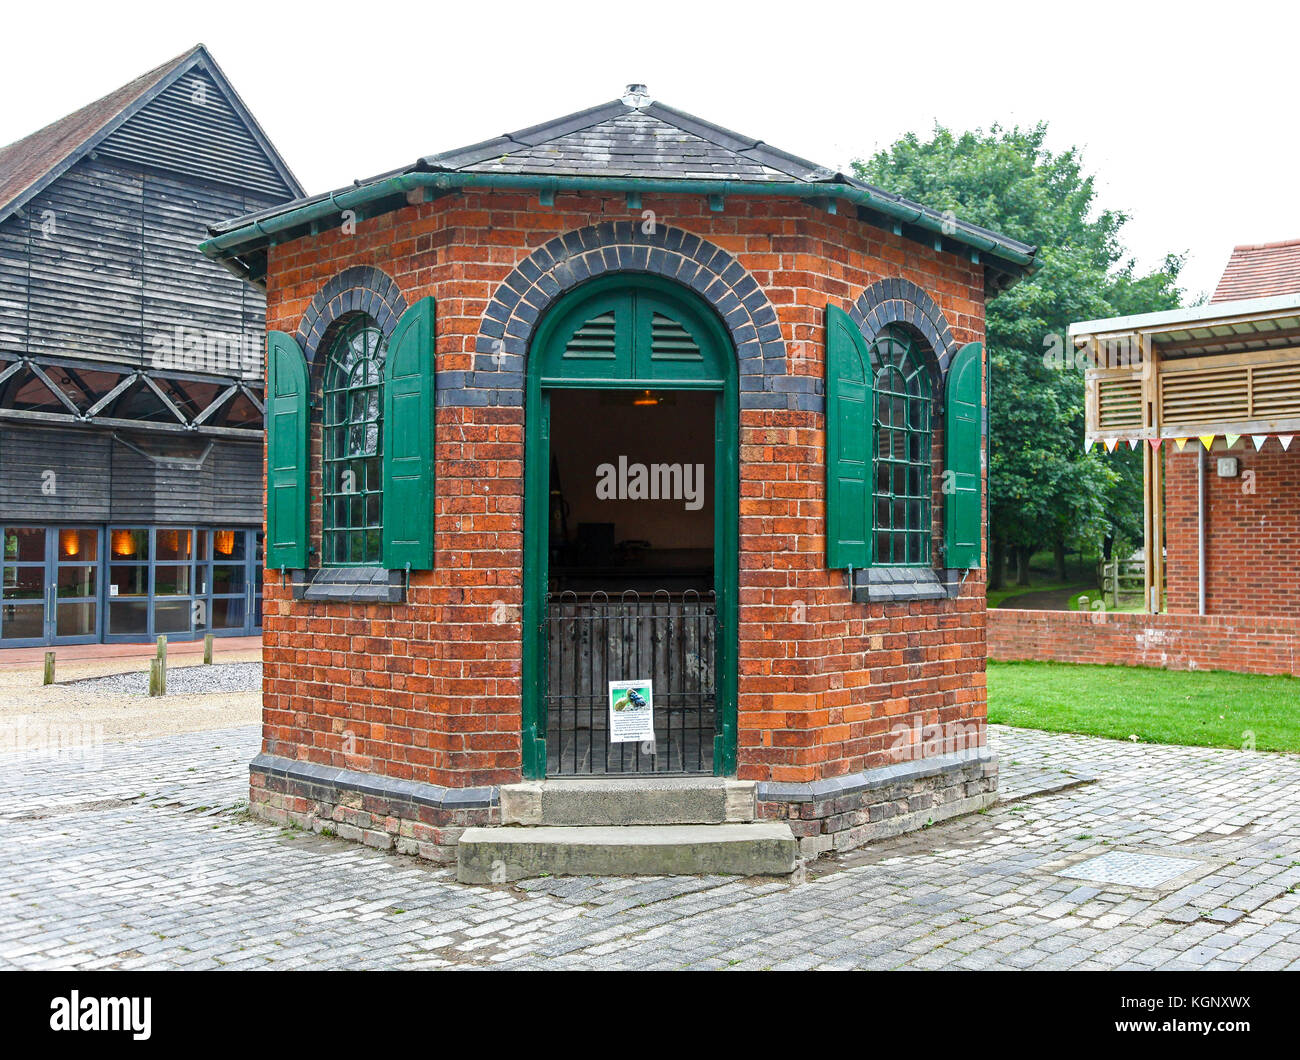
1119, 401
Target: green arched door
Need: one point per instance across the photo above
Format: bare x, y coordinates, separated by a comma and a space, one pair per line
625, 336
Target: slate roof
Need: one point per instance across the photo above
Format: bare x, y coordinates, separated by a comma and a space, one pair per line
630, 139
32, 163
620, 140
1260, 270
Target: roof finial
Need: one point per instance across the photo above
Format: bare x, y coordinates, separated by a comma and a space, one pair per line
636, 96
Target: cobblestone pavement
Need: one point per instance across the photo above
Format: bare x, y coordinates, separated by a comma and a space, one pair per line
139, 855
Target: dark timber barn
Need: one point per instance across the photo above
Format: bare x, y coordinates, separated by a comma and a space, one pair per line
131, 392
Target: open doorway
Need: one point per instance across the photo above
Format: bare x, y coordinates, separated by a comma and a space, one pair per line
632, 498
632, 532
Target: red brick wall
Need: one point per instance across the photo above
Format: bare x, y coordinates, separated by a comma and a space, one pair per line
1269, 645
430, 690
1252, 531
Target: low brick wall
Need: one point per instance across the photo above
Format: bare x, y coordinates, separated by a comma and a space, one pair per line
1252, 645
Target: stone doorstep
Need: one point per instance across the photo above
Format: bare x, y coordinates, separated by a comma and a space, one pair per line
610, 801
502, 855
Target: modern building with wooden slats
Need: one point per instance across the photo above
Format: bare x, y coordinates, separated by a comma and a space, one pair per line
131, 366
1212, 395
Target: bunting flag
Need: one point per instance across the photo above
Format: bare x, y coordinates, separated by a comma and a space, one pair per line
1207, 440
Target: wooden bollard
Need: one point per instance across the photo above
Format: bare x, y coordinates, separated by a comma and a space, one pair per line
157, 677
158, 670
207, 650
49, 668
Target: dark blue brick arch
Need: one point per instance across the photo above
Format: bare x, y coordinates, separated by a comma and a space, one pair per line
497, 376
360, 289
899, 301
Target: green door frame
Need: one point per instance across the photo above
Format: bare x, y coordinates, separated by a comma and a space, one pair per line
726, 521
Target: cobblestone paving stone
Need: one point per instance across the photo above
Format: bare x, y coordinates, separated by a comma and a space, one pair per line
140, 855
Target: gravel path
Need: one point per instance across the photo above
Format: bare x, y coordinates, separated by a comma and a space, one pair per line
181, 680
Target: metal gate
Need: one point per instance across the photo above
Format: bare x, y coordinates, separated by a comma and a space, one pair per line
592, 639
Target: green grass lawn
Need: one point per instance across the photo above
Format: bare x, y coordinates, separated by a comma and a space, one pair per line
996, 596
1126, 603
1197, 709
1010, 592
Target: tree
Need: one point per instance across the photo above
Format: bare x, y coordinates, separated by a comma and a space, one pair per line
1044, 489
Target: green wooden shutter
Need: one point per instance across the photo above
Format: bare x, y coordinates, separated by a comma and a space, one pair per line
848, 443
288, 405
408, 440
962, 481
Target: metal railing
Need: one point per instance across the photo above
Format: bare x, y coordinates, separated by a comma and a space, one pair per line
666, 638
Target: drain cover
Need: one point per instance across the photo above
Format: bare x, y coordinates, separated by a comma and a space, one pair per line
1129, 869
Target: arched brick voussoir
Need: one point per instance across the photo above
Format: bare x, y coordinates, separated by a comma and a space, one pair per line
361, 288
564, 262
895, 300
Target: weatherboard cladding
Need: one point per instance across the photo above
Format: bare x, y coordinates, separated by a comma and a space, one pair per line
191, 127
150, 484
81, 461
29, 165
102, 265
100, 477
13, 285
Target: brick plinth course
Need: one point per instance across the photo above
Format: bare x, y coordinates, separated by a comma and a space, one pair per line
851, 811
406, 817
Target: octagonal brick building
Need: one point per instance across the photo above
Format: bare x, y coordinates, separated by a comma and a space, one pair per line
624, 399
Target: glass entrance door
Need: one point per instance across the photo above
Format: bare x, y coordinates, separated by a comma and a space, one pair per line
75, 571
233, 581
49, 585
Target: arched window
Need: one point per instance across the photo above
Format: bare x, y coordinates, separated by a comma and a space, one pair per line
352, 477
901, 458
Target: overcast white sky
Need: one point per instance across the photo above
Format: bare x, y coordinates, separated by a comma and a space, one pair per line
1182, 110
